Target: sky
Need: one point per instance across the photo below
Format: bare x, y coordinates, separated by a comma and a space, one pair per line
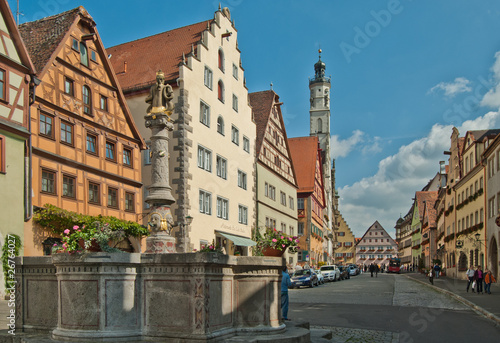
403, 74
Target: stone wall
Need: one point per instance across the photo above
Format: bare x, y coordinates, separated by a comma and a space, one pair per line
182, 297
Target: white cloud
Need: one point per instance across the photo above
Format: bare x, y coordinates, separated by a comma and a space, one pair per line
492, 97
387, 194
459, 85
372, 147
342, 148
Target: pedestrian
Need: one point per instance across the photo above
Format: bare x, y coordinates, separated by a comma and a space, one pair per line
488, 280
365, 268
470, 277
286, 283
431, 276
478, 277
372, 269
377, 269
437, 269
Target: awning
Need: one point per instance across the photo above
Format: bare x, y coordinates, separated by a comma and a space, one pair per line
238, 240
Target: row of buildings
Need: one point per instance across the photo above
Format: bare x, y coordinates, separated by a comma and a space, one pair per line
72, 135
454, 219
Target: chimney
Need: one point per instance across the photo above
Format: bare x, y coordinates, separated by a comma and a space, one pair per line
125, 66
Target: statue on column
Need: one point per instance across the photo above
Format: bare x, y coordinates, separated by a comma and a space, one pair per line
160, 96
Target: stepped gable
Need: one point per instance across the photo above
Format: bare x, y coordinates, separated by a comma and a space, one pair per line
161, 51
43, 37
304, 152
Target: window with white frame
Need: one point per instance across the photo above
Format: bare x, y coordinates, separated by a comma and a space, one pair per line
272, 192
300, 203
208, 77
348, 244
204, 114
300, 229
291, 230
283, 198
222, 206
291, 202
205, 202
283, 227
235, 135
243, 214
242, 179
246, 144
220, 125
221, 166
235, 71
266, 189
235, 103
204, 158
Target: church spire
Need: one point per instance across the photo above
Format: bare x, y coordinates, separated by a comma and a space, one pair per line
319, 71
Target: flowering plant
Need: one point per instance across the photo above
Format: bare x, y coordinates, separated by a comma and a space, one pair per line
273, 238
82, 238
212, 248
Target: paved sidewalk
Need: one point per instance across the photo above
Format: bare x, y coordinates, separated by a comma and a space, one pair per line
486, 304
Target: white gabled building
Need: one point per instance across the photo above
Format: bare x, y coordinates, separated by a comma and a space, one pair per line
212, 151
376, 246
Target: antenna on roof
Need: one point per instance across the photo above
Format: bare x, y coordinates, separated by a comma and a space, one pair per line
18, 13
271, 85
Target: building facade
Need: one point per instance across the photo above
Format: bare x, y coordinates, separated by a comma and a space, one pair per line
376, 246
16, 86
212, 148
345, 250
86, 149
306, 157
276, 181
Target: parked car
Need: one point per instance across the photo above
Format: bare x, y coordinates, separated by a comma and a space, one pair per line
321, 277
304, 277
330, 272
353, 270
344, 273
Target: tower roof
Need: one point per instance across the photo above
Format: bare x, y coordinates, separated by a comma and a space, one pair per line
319, 71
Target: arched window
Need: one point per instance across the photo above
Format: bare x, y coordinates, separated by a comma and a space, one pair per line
84, 57
221, 60
320, 125
220, 125
87, 100
220, 91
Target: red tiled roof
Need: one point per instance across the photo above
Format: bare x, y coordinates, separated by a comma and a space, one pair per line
261, 103
430, 197
42, 37
144, 57
304, 152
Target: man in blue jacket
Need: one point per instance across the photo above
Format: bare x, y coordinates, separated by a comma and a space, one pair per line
285, 284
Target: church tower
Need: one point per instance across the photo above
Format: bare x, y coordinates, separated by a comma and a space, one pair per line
319, 113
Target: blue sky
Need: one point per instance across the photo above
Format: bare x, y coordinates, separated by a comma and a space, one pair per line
403, 73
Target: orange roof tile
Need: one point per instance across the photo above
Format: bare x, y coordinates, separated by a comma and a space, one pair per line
161, 51
304, 152
428, 196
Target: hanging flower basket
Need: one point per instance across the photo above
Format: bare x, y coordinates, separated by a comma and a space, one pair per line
273, 252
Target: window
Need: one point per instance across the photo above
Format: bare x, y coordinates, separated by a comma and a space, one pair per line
204, 114
91, 144
283, 198
243, 215
220, 125
242, 179
271, 192
3, 170
208, 77
93, 55
3, 82
235, 71
300, 203
348, 244
292, 230
87, 100
204, 158
146, 154
235, 103
283, 227
68, 189
127, 157
205, 202
300, 229
103, 103
221, 60
221, 166
246, 144
222, 206
46, 125
129, 202
66, 133
94, 193
84, 57
75, 45
341, 234
320, 125
235, 135
112, 197
110, 151
48, 181
68, 86
220, 91
145, 193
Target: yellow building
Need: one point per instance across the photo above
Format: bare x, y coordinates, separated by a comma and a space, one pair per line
345, 253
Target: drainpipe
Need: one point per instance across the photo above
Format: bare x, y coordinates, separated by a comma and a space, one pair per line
28, 182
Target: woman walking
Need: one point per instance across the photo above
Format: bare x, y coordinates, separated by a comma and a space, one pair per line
470, 277
488, 280
478, 277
